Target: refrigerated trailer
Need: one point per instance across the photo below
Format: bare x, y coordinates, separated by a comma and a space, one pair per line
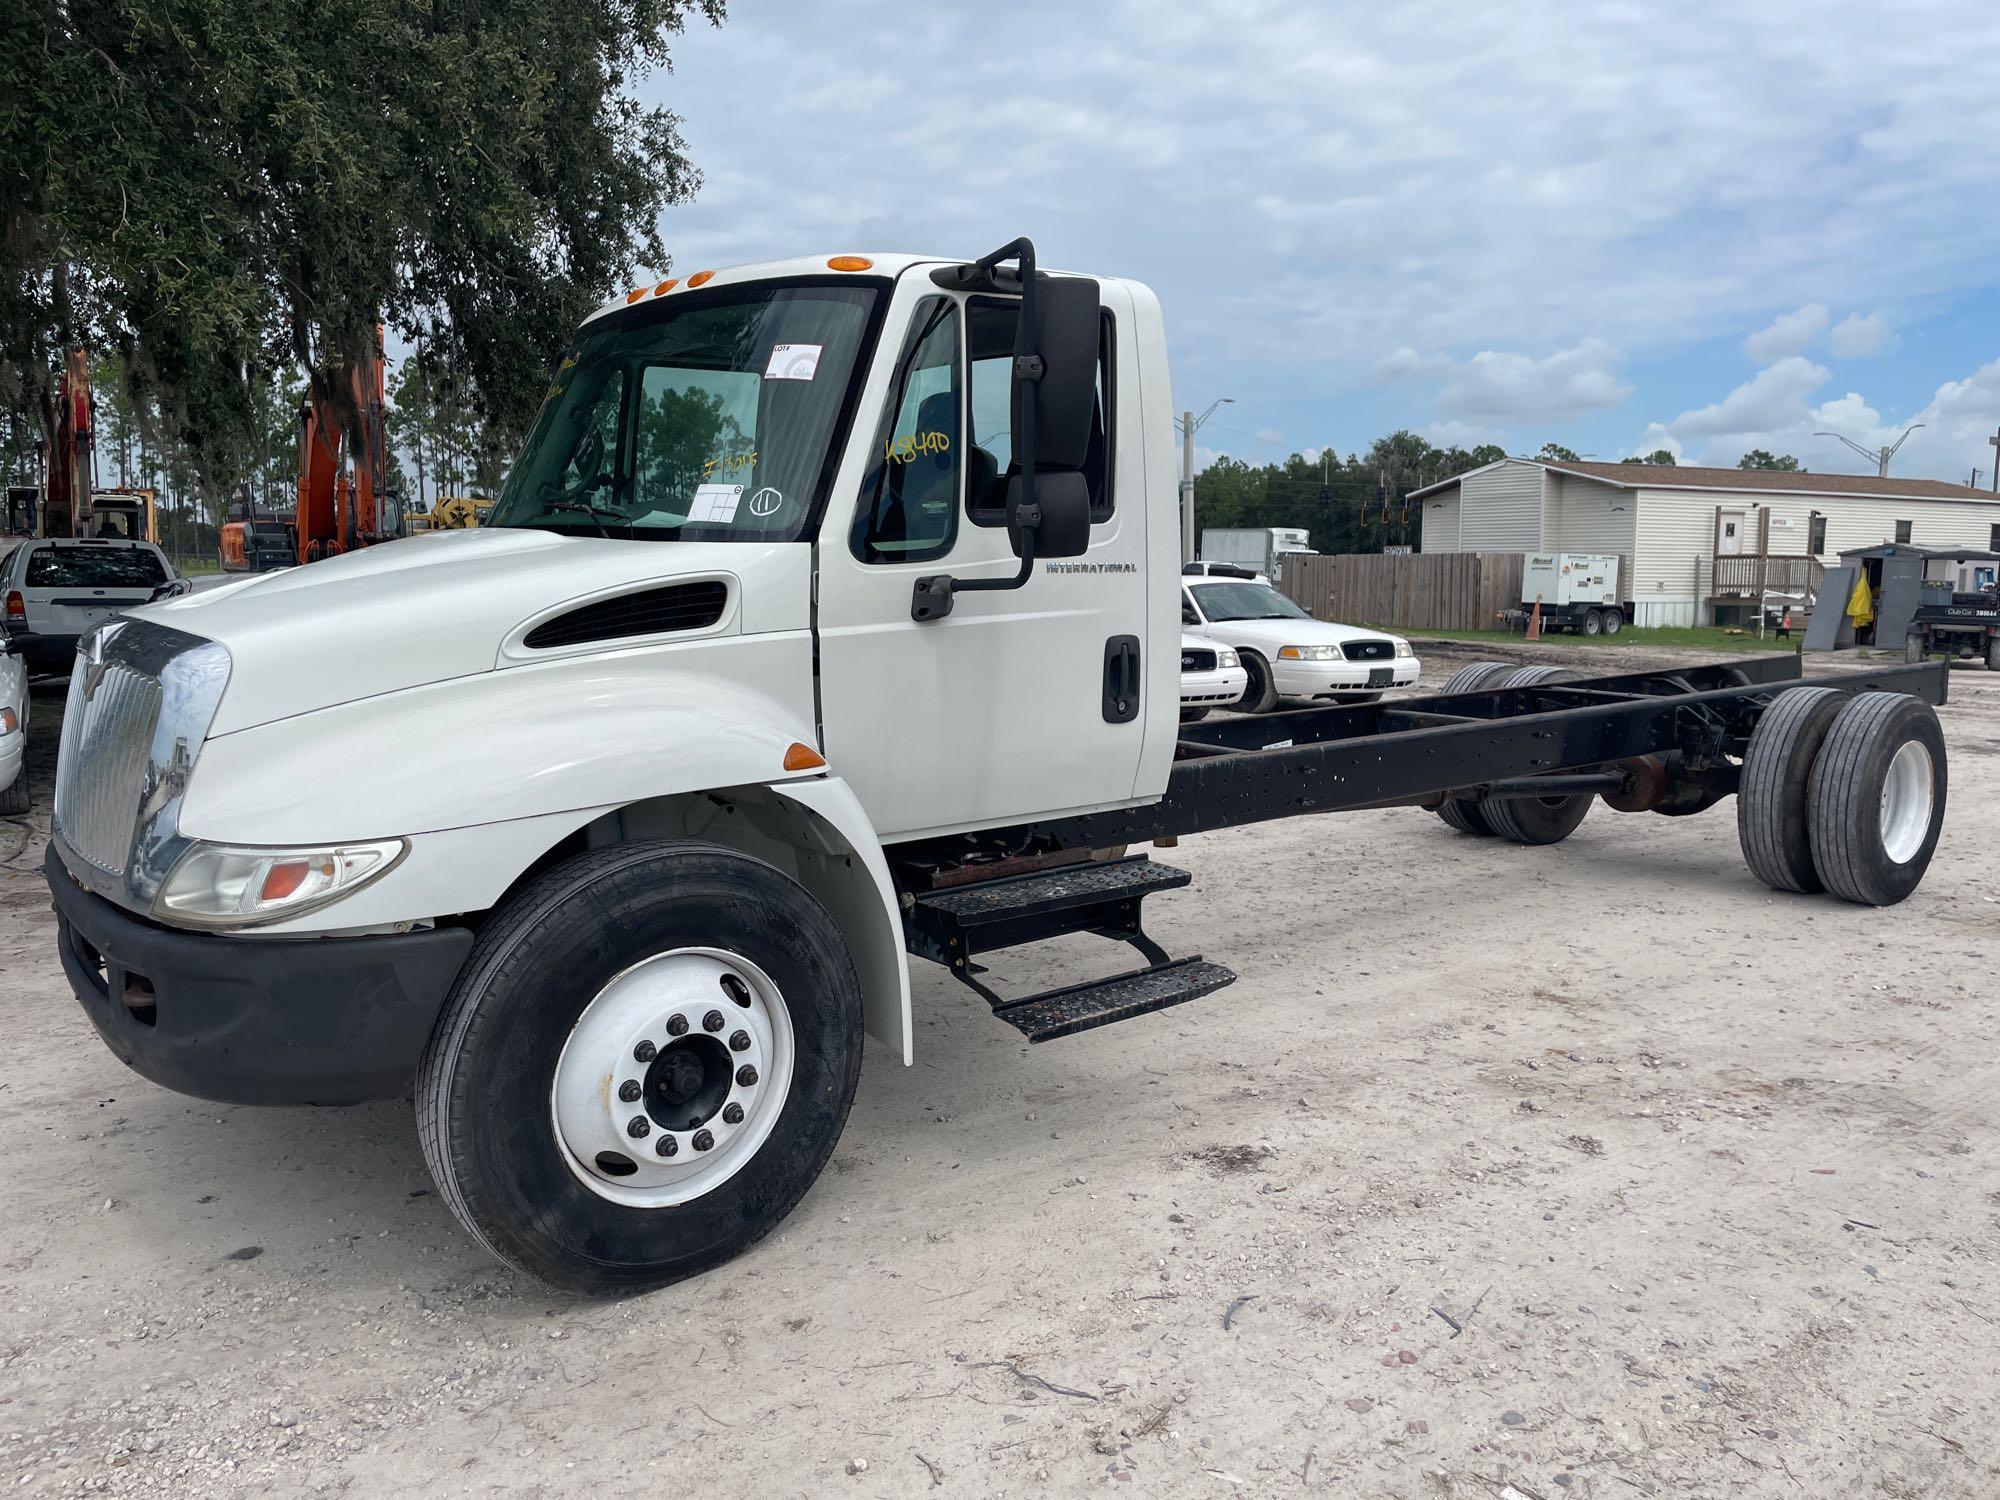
830, 616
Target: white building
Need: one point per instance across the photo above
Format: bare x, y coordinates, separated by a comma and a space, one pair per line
1669, 525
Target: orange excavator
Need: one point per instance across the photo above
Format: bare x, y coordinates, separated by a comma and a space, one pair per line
344, 497
68, 503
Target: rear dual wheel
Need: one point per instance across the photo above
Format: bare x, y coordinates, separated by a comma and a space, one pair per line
1843, 793
643, 1066
1530, 820
1457, 812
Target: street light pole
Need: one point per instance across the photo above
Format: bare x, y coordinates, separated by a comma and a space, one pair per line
1188, 423
1878, 456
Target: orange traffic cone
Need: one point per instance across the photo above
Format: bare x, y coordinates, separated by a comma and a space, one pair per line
1535, 620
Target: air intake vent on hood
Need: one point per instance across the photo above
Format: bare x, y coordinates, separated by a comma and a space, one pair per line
681, 606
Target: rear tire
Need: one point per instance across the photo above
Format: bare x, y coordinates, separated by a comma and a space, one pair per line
1877, 798
1593, 623
1262, 694
1773, 824
1464, 815
1914, 647
1614, 621
1537, 820
14, 798
555, 967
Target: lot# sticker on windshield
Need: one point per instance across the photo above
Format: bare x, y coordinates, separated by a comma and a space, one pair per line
715, 502
793, 362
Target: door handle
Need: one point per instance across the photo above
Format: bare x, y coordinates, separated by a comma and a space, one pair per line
1121, 679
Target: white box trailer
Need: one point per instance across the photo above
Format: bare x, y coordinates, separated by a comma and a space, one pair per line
1576, 590
1258, 548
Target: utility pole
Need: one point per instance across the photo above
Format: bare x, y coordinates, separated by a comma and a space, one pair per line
1995, 441
1188, 424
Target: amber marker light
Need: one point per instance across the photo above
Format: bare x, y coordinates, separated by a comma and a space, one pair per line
803, 758
849, 263
666, 286
635, 294
700, 278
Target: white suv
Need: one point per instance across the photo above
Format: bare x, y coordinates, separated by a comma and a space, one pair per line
53, 589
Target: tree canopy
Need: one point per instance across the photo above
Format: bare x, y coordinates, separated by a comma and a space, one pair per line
1661, 457
1758, 458
224, 191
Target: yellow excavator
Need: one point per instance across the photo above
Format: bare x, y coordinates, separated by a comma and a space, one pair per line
453, 513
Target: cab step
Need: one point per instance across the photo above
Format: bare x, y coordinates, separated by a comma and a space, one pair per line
950, 926
1044, 1017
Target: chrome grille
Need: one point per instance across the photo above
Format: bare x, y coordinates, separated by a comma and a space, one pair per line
101, 765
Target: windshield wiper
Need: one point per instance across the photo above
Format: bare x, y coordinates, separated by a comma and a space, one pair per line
593, 511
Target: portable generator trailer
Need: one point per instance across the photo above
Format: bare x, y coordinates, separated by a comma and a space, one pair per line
885, 663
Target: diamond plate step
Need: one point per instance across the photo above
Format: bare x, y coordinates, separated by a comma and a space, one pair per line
1042, 1018
1092, 884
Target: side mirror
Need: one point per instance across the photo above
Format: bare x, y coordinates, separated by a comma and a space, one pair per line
1054, 400
172, 589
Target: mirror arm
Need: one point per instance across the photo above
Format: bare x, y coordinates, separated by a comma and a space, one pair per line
932, 597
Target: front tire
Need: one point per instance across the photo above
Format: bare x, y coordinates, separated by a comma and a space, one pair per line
1193, 715
14, 796
1593, 623
1262, 694
596, 991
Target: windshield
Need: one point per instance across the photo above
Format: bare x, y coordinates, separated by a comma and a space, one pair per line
710, 421
1245, 601
94, 568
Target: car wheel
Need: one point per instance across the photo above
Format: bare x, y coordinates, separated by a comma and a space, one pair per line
643, 1065
1262, 694
14, 797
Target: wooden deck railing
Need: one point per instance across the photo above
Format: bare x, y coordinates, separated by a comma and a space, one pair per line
1750, 576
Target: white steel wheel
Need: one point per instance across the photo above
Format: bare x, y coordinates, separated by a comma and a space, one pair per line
672, 1077
1909, 791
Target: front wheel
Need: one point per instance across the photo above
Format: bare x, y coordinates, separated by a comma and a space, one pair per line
1262, 694
1914, 647
1193, 715
1593, 622
644, 1064
1614, 621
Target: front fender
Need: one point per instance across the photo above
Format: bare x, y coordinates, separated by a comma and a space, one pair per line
528, 742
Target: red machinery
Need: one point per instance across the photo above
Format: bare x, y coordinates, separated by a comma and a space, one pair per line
345, 505
66, 492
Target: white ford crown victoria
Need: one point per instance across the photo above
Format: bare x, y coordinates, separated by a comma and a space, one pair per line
1289, 654
1212, 676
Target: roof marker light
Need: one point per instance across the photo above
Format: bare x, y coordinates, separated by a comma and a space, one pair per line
635, 294
700, 278
849, 263
666, 286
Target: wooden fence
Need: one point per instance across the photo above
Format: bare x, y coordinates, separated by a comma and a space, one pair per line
1423, 591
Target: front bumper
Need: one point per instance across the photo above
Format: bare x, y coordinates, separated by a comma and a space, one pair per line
255, 1020
1218, 687
1311, 679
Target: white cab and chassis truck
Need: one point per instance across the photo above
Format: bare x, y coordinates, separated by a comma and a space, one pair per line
830, 616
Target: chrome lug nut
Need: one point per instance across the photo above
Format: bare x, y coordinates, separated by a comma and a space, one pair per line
703, 1140
677, 1025
746, 1075
712, 1021
638, 1126
732, 1114
646, 1051
629, 1091
739, 1041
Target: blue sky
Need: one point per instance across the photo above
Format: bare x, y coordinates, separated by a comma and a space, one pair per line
1707, 227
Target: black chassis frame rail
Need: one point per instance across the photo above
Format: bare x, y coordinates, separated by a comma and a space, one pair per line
1412, 751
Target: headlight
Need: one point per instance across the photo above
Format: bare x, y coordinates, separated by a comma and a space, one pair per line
1227, 658
8, 721
1403, 649
215, 885
1309, 653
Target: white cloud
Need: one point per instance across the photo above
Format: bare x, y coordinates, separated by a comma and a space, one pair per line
1496, 386
1856, 337
1270, 436
1773, 412
1788, 333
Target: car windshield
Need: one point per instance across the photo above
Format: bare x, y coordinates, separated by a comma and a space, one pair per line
94, 568
708, 418
1245, 601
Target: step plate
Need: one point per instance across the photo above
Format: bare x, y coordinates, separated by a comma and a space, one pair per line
1042, 1018
1073, 885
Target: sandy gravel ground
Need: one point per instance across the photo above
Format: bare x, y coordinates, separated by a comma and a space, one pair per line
1588, 1171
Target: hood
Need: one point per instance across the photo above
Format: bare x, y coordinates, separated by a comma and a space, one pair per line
418, 611
1269, 635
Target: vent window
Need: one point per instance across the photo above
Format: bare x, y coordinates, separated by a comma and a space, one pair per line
683, 606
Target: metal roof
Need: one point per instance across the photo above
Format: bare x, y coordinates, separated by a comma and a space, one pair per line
1744, 481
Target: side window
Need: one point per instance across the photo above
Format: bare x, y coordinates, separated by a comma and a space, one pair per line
990, 324
1902, 531
1816, 536
908, 509
1188, 616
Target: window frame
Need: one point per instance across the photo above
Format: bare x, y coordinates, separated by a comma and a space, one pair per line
1104, 506
1815, 535
1905, 533
877, 471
